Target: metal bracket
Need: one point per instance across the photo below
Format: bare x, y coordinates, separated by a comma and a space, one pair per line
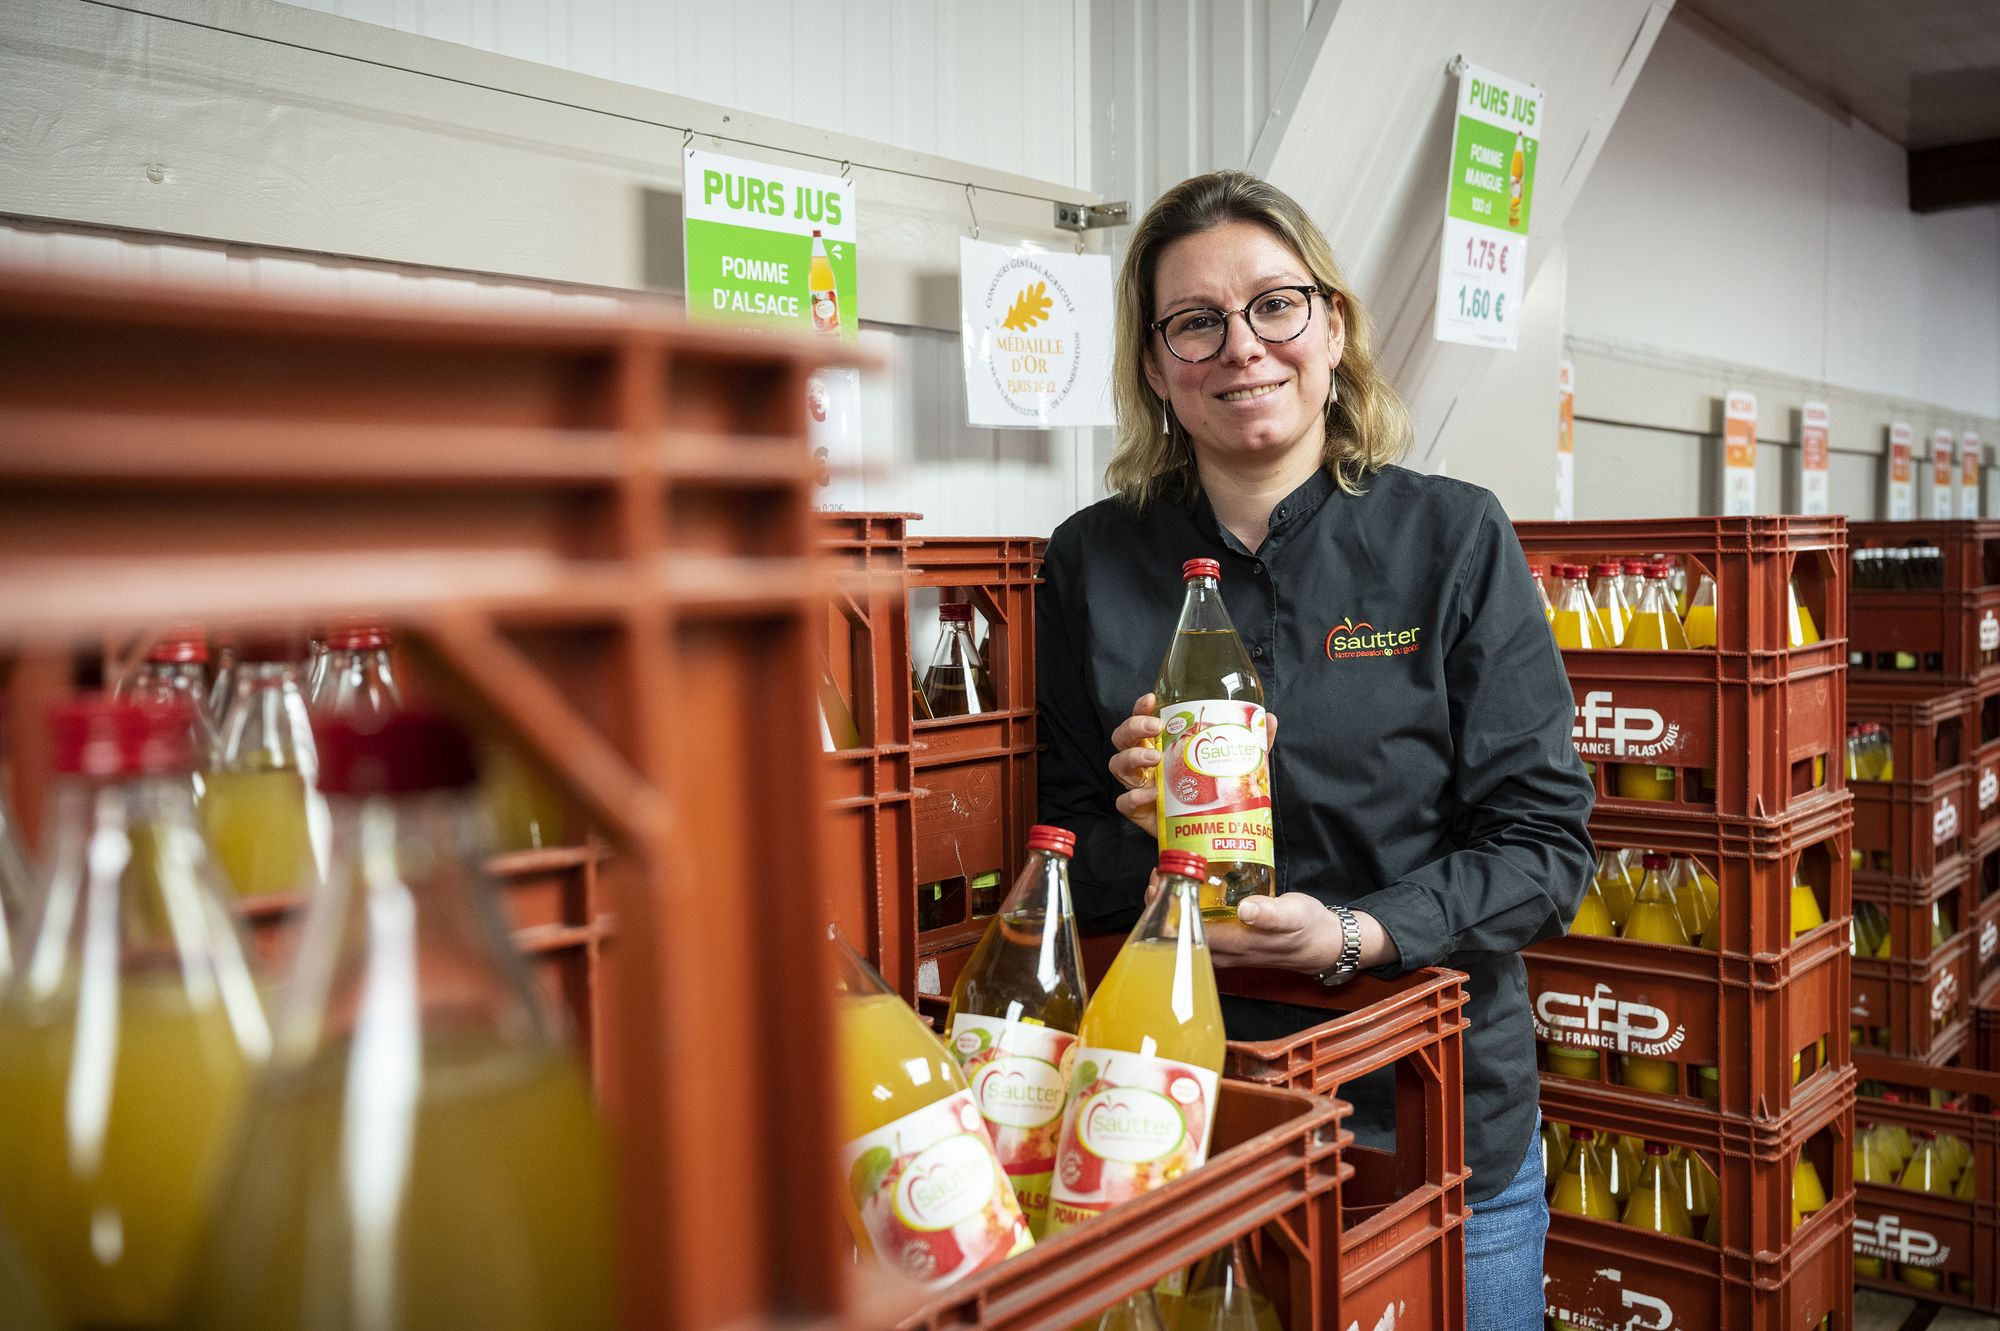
1082, 217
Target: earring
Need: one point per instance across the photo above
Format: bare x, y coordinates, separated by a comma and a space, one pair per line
1332, 389
1165, 429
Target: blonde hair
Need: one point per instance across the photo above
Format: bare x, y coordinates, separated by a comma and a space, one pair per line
1367, 426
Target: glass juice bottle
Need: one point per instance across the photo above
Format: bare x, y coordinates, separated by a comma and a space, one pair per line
1699, 625
1581, 1188
175, 671
1614, 613
1147, 1064
1538, 572
1654, 919
820, 287
1214, 774
258, 793
357, 677
956, 684
132, 1029
1013, 1019
422, 1150
1227, 1294
926, 1196
1656, 1203
1655, 626
1576, 622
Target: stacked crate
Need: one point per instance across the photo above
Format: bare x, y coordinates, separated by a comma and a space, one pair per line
1744, 744
1924, 657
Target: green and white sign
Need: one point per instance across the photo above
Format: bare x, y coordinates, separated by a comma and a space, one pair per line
769, 246
1488, 204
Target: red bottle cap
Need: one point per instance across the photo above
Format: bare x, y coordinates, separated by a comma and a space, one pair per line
956, 612
1538, 569
1184, 864
1656, 860
1056, 840
96, 735
1200, 568
1582, 1135
395, 755
181, 645
1633, 565
1608, 569
1659, 569
1656, 1148
357, 637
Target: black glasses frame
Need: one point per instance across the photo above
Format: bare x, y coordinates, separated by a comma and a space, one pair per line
1160, 325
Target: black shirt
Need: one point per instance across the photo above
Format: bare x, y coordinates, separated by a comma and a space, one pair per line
1423, 771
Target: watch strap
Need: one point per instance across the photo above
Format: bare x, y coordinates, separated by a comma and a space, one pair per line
1349, 961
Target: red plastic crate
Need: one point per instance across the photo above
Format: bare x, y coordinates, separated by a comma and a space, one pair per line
1914, 829
1747, 1018
868, 620
1969, 550
1985, 946
1928, 733
1754, 863
1908, 903
1402, 1245
1729, 744
1958, 1240
1926, 640
1600, 1276
1276, 1167
1751, 560
1753, 1160
1916, 1010
974, 776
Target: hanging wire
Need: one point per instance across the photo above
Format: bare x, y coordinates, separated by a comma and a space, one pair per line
970, 209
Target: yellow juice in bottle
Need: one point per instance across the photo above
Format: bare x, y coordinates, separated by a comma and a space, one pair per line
1804, 632
1147, 1064
1616, 887
1655, 631
1699, 628
1643, 781
256, 825
1581, 1188
524, 807
107, 1152
1806, 914
1656, 1203
445, 1233
1578, 628
1654, 919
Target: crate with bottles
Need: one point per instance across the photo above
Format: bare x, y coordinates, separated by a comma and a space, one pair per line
865, 715
1910, 918
1915, 829
1916, 1010
1663, 1217
1709, 679
1925, 606
1897, 736
973, 617
1927, 1183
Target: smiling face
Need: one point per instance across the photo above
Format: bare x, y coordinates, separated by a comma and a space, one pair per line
1253, 403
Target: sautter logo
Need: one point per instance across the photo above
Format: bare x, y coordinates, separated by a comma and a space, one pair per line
1349, 640
1601, 1021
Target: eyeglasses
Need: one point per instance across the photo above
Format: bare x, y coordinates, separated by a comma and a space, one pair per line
1275, 316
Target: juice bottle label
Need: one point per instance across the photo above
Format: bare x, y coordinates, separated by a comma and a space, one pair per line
1215, 782
931, 1196
1133, 1124
1020, 1082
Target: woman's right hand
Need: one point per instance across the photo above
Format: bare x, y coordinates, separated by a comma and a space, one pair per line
1133, 764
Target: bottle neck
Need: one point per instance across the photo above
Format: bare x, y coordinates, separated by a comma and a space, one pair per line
267, 727
1202, 610
355, 683
405, 945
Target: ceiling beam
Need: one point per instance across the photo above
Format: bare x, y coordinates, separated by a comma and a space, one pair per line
1958, 175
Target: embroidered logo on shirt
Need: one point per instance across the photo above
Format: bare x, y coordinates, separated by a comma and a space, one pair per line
1349, 639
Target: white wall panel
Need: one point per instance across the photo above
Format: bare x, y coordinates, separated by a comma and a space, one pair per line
997, 85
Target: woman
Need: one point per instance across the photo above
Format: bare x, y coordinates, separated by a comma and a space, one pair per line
1429, 798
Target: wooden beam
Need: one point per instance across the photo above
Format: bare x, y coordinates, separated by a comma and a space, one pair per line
1958, 175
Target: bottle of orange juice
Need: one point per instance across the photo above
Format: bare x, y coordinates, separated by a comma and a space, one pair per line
1656, 1203
1613, 611
1576, 621
1700, 619
1803, 632
1655, 627
1654, 919
1147, 1064
1013, 1019
257, 809
132, 1031
1581, 1188
1618, 885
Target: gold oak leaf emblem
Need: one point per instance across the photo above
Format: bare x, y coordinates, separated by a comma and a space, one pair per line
1029, 308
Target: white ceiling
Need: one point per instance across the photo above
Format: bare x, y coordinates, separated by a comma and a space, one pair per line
1923, 72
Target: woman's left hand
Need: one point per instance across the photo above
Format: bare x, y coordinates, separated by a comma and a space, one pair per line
1294, 932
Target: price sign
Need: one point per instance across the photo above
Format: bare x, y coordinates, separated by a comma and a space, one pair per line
1488, 204
1944, 460
1739, 455
1902, 473
1566, 444
1814, 421
1971, 459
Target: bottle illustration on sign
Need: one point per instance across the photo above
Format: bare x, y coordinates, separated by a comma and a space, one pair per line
1514, 174
825, 297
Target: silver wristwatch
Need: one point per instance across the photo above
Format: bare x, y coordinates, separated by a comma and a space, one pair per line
1349, 960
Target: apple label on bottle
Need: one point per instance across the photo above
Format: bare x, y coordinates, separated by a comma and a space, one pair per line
931, 1195
1215, 782
1019, 1075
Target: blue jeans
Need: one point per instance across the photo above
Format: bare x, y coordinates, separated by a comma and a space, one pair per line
1503, 1252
